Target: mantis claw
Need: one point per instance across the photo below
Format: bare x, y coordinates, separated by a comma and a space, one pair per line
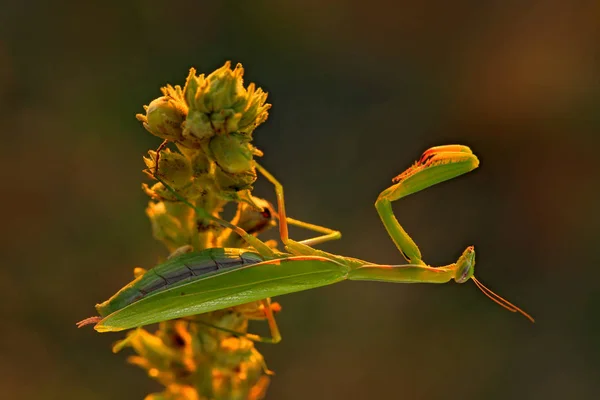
448, 154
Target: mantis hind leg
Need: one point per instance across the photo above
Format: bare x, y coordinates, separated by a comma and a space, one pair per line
303, 246
267, 307
436, 165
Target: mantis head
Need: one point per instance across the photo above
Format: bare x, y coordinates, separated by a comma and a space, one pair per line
465, 269
465, 266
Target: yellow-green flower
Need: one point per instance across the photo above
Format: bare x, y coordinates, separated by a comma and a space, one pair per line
219, 104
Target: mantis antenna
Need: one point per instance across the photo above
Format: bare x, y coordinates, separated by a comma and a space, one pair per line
500, 300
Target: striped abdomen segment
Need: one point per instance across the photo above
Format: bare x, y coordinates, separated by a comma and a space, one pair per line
179, 270
202, 264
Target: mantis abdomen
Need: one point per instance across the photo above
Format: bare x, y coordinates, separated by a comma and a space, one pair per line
180, 270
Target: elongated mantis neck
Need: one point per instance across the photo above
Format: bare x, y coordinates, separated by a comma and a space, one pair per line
409, 273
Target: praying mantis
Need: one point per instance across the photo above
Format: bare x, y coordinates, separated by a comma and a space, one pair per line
217, 278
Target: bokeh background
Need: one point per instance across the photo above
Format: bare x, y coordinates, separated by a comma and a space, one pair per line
359, 89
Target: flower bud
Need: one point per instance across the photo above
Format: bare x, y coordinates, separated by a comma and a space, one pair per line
150, 348
201, 165
196, 128
234, 350
222, 98
225, 121
225, 87
164, 117
233, 153
191, 192
234, 182
174, 168
255, 110
173, 227
193, 90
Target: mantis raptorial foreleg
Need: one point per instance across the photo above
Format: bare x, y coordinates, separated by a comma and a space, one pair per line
436, 165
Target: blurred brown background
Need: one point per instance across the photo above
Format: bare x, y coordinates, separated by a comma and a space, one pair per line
359, 90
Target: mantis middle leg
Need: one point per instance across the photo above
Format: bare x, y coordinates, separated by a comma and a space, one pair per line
296, 247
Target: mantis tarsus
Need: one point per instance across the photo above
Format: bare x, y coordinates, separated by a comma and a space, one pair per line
214, 279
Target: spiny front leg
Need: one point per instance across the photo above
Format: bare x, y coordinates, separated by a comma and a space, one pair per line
438, 164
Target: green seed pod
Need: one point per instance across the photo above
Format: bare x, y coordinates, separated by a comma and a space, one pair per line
164, 117
233, 153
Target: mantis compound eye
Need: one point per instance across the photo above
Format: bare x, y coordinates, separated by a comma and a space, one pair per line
465, 265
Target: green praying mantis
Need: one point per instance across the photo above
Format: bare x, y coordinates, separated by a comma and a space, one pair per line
217, 278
